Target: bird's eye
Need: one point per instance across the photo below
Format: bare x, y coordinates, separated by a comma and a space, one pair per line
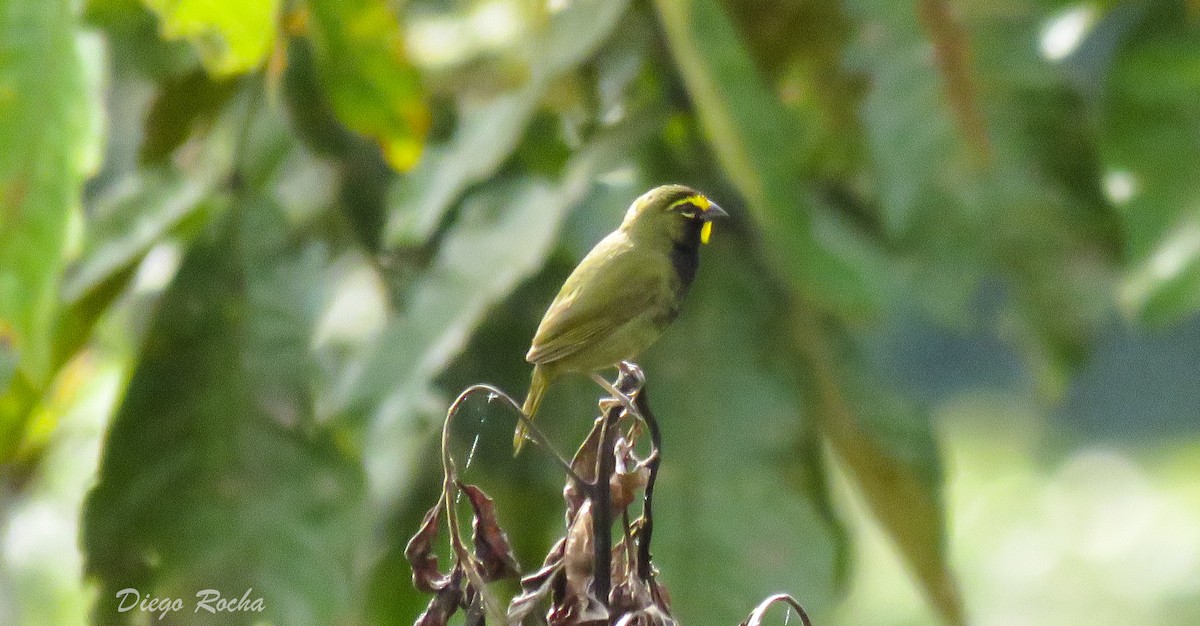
688, 214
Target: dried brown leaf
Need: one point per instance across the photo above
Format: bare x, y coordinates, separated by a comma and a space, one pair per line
492, 549
627, 478
634, 601
578, 604
591, 613
577, 554
662, 598
527, 602
649, 616
448, 600
419, 552
584, 466
538, 585
476, 615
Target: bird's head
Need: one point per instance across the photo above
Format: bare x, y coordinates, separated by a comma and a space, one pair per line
677, 213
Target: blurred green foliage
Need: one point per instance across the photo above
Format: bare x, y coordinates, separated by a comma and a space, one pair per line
271, 239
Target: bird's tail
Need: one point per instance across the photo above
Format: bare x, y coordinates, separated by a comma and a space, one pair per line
537, 389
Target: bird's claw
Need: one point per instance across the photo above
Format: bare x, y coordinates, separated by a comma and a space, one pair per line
617, 395
609, 403
632, 371
635, 430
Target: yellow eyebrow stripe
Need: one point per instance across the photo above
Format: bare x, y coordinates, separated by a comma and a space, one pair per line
698, 200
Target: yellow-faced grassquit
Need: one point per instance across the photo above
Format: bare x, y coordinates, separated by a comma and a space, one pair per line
623, 294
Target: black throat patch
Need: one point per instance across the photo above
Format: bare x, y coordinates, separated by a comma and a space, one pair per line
685, 254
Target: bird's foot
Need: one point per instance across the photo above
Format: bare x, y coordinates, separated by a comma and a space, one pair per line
629, 369
635, 431
617, 395
608, 403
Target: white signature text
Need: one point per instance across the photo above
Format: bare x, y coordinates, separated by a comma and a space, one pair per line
209, 600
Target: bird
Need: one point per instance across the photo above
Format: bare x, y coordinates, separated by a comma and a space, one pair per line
624, 292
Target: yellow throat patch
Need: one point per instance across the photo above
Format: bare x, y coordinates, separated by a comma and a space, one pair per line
705, 232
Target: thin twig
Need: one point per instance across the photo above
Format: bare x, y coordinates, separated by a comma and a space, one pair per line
533, 431
756, 616
646, 531
449, 486
450, 479
602, 508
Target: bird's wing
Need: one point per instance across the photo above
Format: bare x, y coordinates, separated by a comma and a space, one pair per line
557, 344
610, 287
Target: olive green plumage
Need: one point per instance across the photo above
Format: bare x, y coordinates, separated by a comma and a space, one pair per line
623, 294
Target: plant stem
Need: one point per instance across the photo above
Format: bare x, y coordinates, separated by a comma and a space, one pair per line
646, 531
602, 504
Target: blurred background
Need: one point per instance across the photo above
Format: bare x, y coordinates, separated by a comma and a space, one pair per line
941, 366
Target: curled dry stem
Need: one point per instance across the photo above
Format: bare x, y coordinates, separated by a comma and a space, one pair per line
450, 482
646, 530
450, 469
756, 616
598, 455
534, 433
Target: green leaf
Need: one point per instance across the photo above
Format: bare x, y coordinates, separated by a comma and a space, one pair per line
146, 207
890, 453
1036, 215
184, 104
893, 458
214, 473
503, 236
129, 223
800, 49
233, 36
8, 361
1150, 141
49, 112
746, 125
488, 132
910, 133
135, 48
1165, 286
372, 86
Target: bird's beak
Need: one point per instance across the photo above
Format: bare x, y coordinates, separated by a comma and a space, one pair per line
713, 211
